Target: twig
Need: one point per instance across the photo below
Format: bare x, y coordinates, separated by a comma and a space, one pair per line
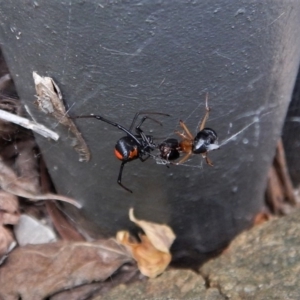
38, 128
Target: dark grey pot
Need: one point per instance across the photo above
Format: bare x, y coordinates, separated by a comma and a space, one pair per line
115, 58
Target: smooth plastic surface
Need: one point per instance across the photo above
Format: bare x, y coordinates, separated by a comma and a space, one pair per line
115, 58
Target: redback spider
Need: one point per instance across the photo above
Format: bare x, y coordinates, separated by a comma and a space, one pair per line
202, 143
132, 146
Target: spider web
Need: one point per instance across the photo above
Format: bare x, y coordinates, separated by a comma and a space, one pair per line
255, 119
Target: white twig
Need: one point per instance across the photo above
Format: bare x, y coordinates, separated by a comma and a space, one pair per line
38, 128
294, 119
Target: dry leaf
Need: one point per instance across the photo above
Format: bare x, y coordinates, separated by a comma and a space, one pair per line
7, 242
161, 236
50, 101
152, 253
8, 129
26, 162
261, 218
18, 148
124, 274
62, 224
23, 187
5, 81
32, 231
35, 272
9, 207
151, 262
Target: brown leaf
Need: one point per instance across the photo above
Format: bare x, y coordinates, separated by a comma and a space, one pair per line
6, 240
151, 262
9, 129
161, 236
26, 163
9, 207
5, 80
280, 198
62, 224
125, 274
283, 173
261, 218
274, 192
50, 101
35, 272
152, 253
23, 187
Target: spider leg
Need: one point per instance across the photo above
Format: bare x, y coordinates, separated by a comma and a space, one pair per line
185, 158
140, 132
202, 125
98, 117
144, 159
144, 113
120, 177
144, 119
208, 161
190, 136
